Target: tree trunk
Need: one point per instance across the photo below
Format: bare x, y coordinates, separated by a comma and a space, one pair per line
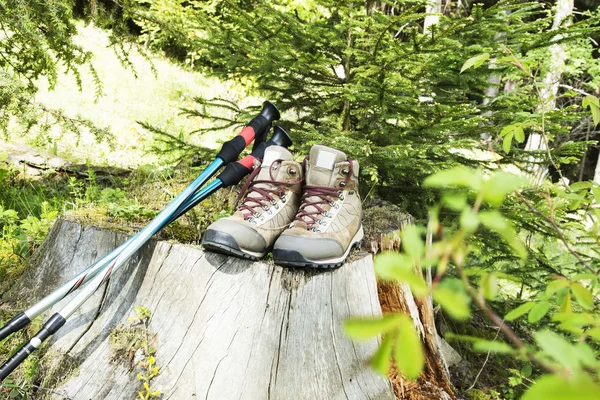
535, 141
222, 327
383, 223
434, 7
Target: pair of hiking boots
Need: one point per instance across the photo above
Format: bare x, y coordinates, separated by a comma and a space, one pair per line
309, 215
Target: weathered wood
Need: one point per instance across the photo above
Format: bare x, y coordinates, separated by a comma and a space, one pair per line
223, 328
383, 225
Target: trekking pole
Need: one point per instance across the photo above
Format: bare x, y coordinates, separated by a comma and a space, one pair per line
255, 130
231, 175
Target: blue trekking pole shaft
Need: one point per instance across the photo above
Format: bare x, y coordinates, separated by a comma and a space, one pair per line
255, 130
231, 175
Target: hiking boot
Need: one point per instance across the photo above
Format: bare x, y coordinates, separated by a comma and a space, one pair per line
271, 197
327, 225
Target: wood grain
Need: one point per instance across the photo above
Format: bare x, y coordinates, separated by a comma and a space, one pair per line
223, 328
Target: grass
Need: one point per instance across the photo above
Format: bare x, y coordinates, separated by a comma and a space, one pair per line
155, 97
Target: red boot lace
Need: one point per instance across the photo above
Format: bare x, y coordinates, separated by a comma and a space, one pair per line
266, 195
310, 211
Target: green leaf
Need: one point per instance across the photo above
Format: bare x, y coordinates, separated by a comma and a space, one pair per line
596, 192
538, 311
519, 311
583, 296
574, 319
400, 267
507, 142
363, 328
555, 286
381, 359
499, 185
555, 387
387, 264
412, 243
475, 62
457, 176
594, 333
492, 346
409, 350
455, 303
590, 100
456, 202
526, 370
595, 114
557, 347
489, 285
469, 220
519, 134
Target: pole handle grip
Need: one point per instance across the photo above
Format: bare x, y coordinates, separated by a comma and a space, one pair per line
256, 131
235, 172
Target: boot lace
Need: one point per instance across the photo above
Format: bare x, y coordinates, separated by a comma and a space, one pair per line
316, 197
265, 195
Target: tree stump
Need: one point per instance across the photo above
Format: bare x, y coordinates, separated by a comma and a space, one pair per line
222, 327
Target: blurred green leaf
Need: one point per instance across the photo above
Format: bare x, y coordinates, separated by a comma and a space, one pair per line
363, 328
556, 285
582, 295
381, 359
469, 220
409, 350
454, 302
557, 347
538, 311
499, 185
494, 346
554, 387
489, 285
519, 311
457, 176
411, 242
388, 264
456, 202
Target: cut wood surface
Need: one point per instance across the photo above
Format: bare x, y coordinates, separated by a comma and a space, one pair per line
223, 328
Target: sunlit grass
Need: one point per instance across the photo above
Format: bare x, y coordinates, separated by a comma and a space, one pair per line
154, 98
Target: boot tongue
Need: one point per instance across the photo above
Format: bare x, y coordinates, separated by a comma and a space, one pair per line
320, 166
272, 154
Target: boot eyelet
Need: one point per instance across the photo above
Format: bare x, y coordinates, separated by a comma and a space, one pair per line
345, 171
276, 206
351, 193
266, 208
341, 197
292, 171
342, 183
273, 201
253, 222
283, 198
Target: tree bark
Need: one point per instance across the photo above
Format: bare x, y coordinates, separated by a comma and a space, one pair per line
434, 7
222, 327
383, 223
558, 56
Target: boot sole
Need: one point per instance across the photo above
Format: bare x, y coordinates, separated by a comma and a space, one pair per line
293, 258
224, 243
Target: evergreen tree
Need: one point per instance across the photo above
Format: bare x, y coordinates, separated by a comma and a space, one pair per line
367, 79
